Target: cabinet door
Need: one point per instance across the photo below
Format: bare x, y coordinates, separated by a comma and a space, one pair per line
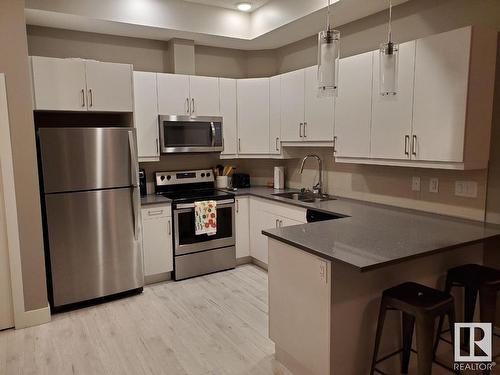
157, 240
146, 116
275, 115
204, 93
228, 113
392, 115
319, 109
292, 105
173, 94
59, 84
253, 116
441, 83
109, 87
242, 227
353, 106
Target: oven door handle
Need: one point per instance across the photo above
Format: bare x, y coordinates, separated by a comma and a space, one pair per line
220, 203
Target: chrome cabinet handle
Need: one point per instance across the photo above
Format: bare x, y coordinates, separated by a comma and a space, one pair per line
300, 129
277, 146
280, 223
193, 109
83, 98
305, 128
414, 146
407, 141
169, 228
277, 223
157, 147
334, 144
239, 144
188, 107
91, 101
237, 206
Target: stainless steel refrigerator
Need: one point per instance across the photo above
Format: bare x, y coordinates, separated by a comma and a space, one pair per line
90, 193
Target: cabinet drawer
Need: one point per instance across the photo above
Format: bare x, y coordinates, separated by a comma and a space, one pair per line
155, 212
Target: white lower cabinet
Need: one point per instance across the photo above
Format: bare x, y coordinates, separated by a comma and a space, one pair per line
265, 214
242, 223
157, 240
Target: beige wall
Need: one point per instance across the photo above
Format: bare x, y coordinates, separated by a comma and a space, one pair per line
14, 63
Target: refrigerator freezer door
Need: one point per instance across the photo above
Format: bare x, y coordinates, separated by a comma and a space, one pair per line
94, 251
77, 159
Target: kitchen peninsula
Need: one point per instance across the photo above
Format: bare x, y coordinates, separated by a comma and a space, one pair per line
326, 279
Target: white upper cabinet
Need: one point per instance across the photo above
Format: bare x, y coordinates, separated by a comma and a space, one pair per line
275, 115
59, 84
146, 116
204, 93
319, 110
441, 85
109, 87
353, 106
253, 116
228, 110
392, 114
292, 106
173, 94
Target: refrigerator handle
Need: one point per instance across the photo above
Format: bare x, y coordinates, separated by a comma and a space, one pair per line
134, 176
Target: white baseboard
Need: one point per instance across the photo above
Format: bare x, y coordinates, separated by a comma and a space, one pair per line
33, 318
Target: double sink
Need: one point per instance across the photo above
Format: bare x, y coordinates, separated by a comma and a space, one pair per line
304, 196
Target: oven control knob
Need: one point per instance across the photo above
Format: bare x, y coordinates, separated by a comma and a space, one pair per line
162, 178
208, 174
169, 177
203, 175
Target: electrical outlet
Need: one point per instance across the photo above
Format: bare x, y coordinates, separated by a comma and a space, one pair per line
415, 183
434, 185
466, 189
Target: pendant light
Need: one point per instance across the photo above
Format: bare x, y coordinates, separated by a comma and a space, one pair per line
388, 62
328, 58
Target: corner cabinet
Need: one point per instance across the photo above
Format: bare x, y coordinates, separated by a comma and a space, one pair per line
81, 85
441, 116
228, 111
157, 242
146, 116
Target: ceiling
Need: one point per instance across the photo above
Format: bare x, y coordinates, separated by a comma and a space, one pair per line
230, 4
274, 24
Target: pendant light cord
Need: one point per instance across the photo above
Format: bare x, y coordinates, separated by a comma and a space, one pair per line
390, 21
328, 16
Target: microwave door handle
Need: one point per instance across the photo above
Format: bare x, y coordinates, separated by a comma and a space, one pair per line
134, 176
212, 127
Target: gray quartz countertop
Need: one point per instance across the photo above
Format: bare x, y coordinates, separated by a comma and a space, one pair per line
154, 199
370, 235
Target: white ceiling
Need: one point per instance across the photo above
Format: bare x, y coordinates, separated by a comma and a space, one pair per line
230, 4
274, 24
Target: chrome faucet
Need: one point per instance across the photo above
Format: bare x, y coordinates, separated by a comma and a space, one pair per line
318, 188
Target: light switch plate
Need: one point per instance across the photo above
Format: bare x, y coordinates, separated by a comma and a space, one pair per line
466, 189
434, 185
415, 183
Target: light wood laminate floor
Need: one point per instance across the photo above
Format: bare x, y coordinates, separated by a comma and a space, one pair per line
215, 324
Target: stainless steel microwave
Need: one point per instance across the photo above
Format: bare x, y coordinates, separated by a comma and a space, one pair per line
190, 134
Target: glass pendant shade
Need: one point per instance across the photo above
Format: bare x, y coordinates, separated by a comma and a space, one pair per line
388, 80
328, 61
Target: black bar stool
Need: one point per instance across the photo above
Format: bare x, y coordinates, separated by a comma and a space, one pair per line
420, 306
476, 280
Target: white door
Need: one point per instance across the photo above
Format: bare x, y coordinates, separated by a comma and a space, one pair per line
157, 240
440, 102
275, 115
353, 106
253, 116
392, 115
228, 112
319, 109
59, 84
292, 106
109, 87
6, 306
204, 93
146, 116
242, 223
173, 94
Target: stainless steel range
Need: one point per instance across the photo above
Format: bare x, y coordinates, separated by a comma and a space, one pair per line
196, 255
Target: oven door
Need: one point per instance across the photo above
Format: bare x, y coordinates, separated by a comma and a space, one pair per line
190, 134
186, 241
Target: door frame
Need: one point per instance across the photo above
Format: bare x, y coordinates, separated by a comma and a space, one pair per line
22, 318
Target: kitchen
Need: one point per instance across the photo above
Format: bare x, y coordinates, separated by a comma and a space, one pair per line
265, 90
